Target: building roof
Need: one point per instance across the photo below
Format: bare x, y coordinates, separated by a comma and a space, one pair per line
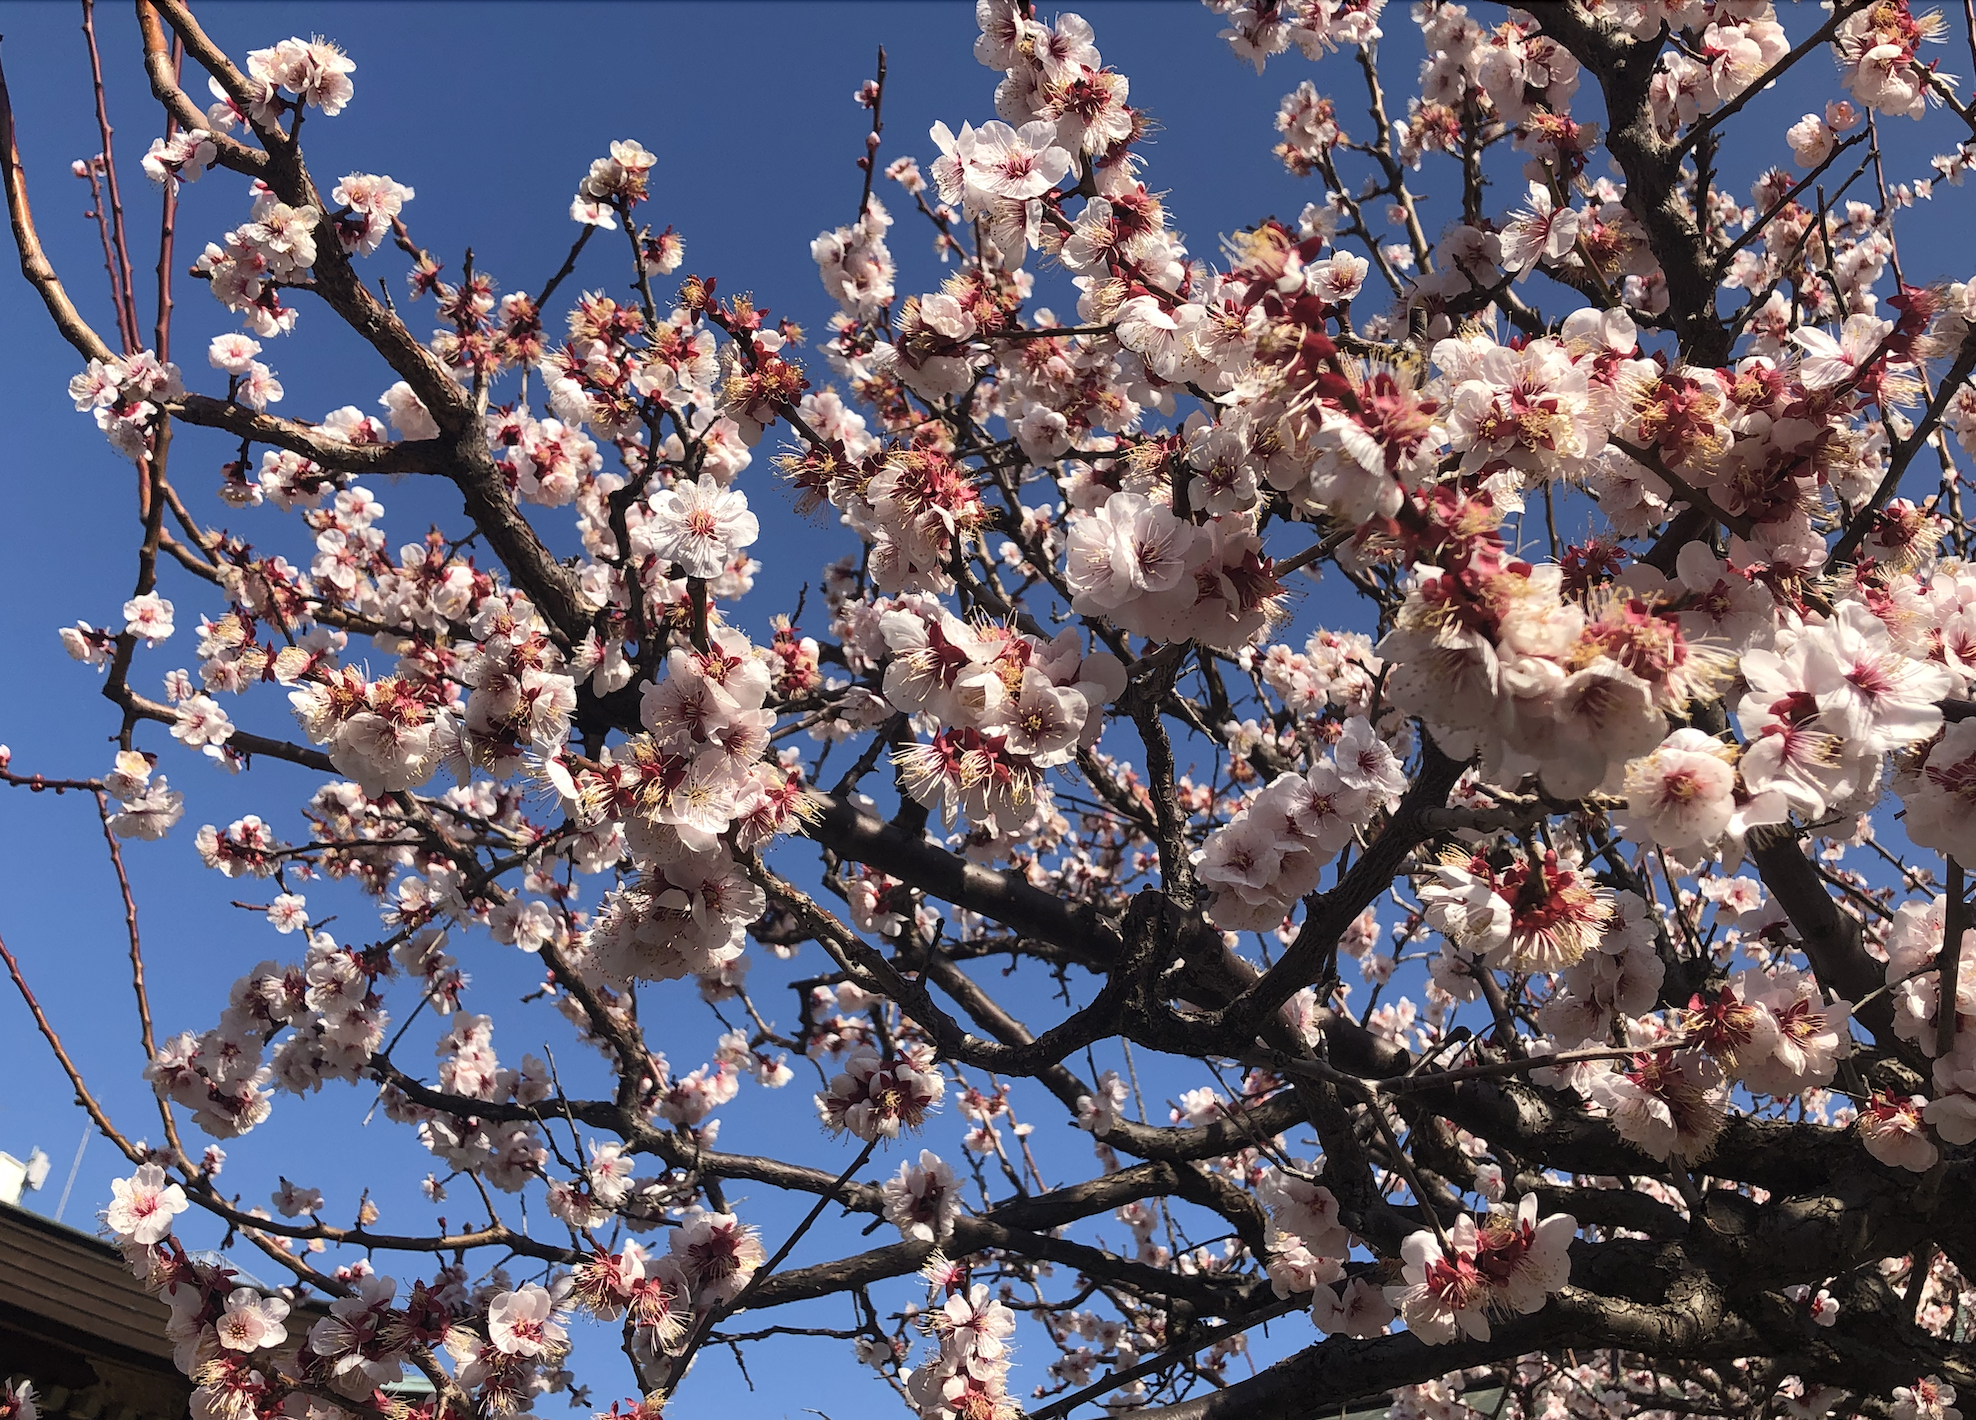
66, 1285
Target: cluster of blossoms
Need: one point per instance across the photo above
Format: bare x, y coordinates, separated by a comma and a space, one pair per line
967, 1374
669, 799
247, 268
234, 1342
124, 395
1275, 848
1003, 707
710, 1260
1508, 1263
1893, 1125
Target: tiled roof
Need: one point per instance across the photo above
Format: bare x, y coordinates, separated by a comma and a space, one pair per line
69, 1286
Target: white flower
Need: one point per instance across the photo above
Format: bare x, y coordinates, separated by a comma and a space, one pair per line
144, 1206
1364, 761
1828, 362
1797, 1039
150, 814
1130, 547
315, 71
1543, 231
523, 1323
1100, 1112
1681, 796
251, 1322
1442, 1293
921, 1201
1811, 140
201, 721
232, 352
1044, 720
1941, 795
1865, 687
718, 1255
1893, 1132
1361, 1310
292, 1200
699, 527
148, 616
408, 415
288, 913
996, 160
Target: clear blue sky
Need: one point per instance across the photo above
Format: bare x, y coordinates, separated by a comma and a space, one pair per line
492, 112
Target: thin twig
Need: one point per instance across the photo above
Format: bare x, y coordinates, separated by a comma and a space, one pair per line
124, 284
96, 1111
1949, 962
869, 162
569, 265
677, 1370
1199, 1341
137, 971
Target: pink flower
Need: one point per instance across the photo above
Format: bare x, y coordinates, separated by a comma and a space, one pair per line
1542, 231
1941, 794
717, 1255
700, 526
1361, 1310
974, 1325
996, 160
1306, 1210
149, 617
1811, 140
872, 1099
1130, 547
1830, 362
1866, 688
315, 71
1670, 1103
922, 1201
1891, 1128
144, 1205
1508, 1263
523, 1323
1796, 1039
251, 1322
1681, 796
232, 352
1443, 1292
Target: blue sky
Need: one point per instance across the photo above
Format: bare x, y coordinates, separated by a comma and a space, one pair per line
493, 113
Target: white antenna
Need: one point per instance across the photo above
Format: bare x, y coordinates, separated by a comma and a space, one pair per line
80, 1146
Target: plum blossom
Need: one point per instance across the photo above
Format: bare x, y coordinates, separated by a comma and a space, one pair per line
1893, 1132
871, 1098
148, 617
1682, 796
923, 1200
1811, 140
1828, 361
1542, 231
1508, 1263
144, 1205
524, 1322
717, 1255
1052, 685
699, 526
252, 1322
315, 71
